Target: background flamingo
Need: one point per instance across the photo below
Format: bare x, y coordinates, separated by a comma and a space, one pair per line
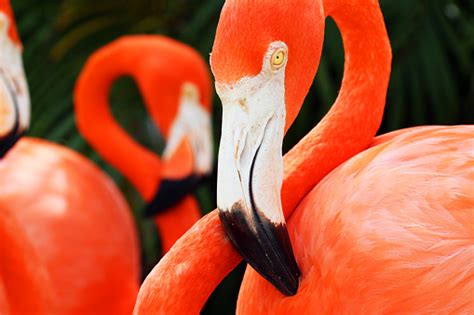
82, 237
389, 230
175, 85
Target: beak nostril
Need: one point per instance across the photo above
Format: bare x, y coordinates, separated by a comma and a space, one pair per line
236, 154
243, 103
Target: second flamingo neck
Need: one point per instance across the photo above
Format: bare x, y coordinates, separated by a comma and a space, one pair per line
354, 119
97, 124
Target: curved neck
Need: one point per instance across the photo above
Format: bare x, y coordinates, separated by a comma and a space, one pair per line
355, 117
204, 255
97, 124
187, 275
25, 281
174, 222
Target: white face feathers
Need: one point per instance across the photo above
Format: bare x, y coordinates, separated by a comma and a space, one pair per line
252, 135
192, 122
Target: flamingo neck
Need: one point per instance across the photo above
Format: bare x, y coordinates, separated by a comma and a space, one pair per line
187, 275
97, 124
355, 117
176, 220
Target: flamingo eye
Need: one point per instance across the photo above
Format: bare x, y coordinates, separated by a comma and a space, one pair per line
278, 59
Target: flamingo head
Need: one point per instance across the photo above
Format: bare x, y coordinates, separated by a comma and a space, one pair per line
193, 124
264, 59
178, 98
190, 132
14, 96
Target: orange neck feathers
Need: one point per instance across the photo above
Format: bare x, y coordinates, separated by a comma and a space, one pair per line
351, 124
346, 130
160, 67
5, 8
187, 275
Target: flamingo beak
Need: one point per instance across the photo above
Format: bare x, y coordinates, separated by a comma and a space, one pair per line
170, 193
250, 174
9, 124
193, 126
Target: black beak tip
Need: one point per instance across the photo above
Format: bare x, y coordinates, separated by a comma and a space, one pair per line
170, 193
8, 141
151, 210
288, 285
264, 245
286, 282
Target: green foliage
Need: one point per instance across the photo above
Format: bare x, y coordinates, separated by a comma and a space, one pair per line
432, 79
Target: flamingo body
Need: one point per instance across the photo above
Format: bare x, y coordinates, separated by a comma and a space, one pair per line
391, 230
78, 222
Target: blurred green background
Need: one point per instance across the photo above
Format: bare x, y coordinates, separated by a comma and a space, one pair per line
432, 79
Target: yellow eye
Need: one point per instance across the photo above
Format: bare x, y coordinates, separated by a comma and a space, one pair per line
278, 59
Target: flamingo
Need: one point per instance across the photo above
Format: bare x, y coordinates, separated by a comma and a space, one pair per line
176, 86
24, 284
376, 226
74, 241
